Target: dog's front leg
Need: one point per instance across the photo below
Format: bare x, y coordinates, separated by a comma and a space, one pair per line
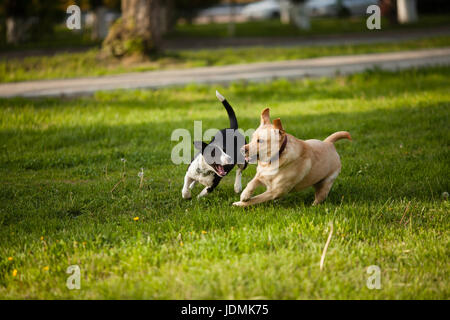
209, 189
186, 193
238, 180
251, 186
192, 185
204, 192
263, 197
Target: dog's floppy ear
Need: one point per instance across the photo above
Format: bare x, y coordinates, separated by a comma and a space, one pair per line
277, 125
200, 145
265, 116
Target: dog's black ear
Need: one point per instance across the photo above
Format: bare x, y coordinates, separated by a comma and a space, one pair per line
200, 145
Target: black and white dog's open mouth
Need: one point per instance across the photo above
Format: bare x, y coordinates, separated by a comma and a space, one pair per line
220, 170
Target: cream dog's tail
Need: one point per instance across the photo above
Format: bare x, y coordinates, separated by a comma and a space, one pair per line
338, 136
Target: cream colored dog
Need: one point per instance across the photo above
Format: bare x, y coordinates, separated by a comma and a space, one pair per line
294, 165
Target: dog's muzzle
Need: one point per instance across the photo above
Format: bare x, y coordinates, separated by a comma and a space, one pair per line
245, 152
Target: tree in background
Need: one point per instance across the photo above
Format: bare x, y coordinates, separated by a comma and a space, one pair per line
293, 11
25, 19
98, 9
389, 10
406, 11
16, 15
188, 9
138, 31
401, 11
31, 20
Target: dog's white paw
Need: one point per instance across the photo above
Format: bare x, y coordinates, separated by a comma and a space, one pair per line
239, 204
245, 196
186, 194
237, 187
203, 193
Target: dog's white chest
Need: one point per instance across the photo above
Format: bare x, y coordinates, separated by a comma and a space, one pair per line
200, 173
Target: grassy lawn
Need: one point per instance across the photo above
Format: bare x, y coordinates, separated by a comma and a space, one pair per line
61, 158
64, 38
88, 63
319, 26
60, 38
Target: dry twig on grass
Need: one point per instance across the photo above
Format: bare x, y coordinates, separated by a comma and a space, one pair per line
322, 259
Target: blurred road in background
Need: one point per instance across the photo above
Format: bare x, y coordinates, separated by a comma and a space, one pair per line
293, 69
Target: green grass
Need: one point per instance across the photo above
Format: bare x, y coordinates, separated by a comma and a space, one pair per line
60, 38
60, 159
319, 26
88, 63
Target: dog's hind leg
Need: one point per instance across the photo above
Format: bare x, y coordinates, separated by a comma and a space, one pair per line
323, 188
238, 180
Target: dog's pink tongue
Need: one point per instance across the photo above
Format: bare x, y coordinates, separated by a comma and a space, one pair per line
221, 170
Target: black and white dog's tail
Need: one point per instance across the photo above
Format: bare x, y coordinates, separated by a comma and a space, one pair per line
230, 111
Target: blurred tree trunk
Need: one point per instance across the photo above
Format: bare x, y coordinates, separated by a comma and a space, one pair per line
407, 11
99, 26
138, 31
99, 23
389, 10
168, 19
15, 30
294, 11
301, 17
16, 21
285, 11
231, 23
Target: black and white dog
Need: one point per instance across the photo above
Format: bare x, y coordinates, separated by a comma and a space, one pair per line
216, 159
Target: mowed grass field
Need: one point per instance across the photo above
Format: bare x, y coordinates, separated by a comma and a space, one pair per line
60, 204
91, 63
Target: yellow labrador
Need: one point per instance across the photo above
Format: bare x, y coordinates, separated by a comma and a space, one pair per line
294, 165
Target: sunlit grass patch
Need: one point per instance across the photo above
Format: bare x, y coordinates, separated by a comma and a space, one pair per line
61, 158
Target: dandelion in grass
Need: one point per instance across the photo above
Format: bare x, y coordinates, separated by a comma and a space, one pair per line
136, 218
204, 232
141, 175
46, 268
122, 179
10, 258
14, 273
